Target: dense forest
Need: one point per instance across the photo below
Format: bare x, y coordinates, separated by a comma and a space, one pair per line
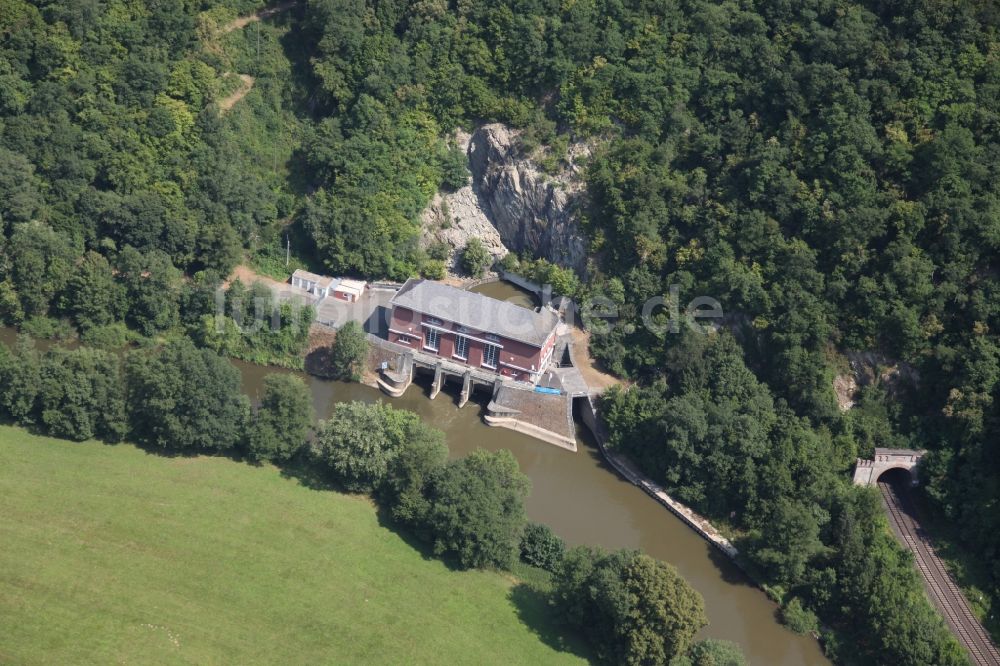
826, 169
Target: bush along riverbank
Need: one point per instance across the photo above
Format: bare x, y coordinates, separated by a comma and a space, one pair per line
715, 438
179, 399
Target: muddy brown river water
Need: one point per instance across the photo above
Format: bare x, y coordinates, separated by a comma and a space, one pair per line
586, 502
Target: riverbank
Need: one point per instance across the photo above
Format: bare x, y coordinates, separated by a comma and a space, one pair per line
702, 526
547, 418
586, 503
112, 555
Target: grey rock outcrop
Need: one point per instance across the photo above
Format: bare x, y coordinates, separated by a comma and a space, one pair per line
532, 212
869, 367
509, 203
453, 218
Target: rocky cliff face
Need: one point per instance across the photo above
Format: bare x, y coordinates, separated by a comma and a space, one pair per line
532, 212
865, 368
510, 203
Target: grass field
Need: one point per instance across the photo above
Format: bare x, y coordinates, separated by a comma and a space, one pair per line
112, 555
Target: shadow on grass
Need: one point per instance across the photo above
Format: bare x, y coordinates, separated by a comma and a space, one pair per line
412, 539
535, 612
314, 477
169, 451
310, 475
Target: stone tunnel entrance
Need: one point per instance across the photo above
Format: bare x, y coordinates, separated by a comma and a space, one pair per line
897, 477
868, 472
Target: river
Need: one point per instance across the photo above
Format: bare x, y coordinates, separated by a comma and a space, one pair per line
586, 502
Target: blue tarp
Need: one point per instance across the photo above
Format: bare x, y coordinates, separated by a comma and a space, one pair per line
552, 391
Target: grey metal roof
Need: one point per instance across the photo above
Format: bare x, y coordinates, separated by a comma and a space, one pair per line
321, 280
476, 312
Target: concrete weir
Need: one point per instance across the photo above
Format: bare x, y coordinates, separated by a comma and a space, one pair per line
545, 417
514, 405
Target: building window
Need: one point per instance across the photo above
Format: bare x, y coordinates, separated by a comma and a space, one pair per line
493, 337
433, 321
491, 354
461, 347
431, 338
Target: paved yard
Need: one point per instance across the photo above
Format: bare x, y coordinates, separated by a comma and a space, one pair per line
369, 310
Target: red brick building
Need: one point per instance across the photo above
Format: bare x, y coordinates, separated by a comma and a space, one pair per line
472, 329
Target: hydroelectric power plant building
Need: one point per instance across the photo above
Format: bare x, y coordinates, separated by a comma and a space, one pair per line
473, 330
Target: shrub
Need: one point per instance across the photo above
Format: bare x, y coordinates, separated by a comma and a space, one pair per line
349, 351
439, 250
183, 397
798, 618
433, 269
47, 328
540, 547
632, 608
409, 474
81, 394
510, 262
281, 422
112, 336
454, 168
476, 258
361, 440
477, 509
712, 652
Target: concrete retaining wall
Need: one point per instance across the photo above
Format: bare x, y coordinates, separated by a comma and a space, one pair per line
548, 436
480, 282
522, 282
624, 467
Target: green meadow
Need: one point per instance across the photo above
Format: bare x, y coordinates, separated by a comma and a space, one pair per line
109, 554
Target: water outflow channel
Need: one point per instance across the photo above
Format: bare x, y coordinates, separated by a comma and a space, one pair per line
586, 502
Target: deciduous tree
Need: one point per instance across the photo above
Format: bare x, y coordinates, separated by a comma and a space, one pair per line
181, 397
349, 351
282, 420
477, 509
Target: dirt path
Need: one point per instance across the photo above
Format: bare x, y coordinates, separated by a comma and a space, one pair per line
247, 81
596, 379
267, 12
229, 102
248, 276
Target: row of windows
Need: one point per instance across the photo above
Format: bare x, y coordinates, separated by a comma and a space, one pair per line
491, 353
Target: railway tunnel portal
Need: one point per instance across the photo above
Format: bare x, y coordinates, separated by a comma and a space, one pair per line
867, 472
894, 472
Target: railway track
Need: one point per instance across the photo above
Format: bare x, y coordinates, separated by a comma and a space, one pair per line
943, 591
